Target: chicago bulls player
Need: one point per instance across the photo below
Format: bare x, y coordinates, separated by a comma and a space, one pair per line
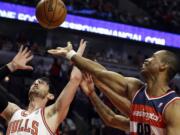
39, 119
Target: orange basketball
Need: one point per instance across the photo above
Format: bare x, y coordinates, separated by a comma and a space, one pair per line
51, 13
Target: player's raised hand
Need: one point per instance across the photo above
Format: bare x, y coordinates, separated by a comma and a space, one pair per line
76, 73
82, 46
61, 51
21, 59
87, 84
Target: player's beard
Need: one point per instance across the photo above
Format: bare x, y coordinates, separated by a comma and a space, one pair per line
35, 93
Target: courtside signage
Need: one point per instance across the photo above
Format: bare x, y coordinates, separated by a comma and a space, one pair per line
24, 13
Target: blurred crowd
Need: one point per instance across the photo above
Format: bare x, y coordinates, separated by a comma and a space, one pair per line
159, 14
108, 54
166, 12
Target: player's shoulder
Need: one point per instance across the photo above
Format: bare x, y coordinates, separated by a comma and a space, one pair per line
172, 109
134, 85
135, 81
175, 104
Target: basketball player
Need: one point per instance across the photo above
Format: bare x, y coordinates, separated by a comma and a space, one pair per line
38, 119
153, 102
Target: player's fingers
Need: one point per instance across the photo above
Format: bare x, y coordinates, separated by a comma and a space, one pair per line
85, 43
24, 51
81, 42
27, 54
83, 75
21, 48
52, 51
29, 58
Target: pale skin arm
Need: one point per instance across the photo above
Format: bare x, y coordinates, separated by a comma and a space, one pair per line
172, 118
9, 111
19, 62
107, 115
124, 86
57, 112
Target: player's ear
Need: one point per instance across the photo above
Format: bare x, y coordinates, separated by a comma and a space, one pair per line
51, 96
163, 67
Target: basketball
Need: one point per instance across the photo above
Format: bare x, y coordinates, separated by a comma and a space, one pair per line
51, 13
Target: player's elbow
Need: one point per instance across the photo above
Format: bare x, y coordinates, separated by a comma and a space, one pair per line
123, 125
109, 121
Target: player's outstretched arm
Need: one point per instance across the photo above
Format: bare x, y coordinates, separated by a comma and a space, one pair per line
10, 109
172, 118
57, 112
120, 102
19, 62
108, 116
124, 86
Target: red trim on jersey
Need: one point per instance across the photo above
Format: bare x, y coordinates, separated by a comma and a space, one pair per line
44, 121
171, 101
132, 133
157, 97
141, 112
138, 92
135, 95
57, 133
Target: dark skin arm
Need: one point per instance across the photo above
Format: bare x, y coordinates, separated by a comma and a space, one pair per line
124, 86
107, 115
172, 118
120, 102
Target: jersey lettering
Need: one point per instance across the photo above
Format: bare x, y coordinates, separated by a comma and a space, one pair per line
146, 116
23, 125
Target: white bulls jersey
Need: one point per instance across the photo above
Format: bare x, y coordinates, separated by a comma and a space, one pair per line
23, 123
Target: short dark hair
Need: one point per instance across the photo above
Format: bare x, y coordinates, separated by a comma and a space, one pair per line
173, 64
48, 81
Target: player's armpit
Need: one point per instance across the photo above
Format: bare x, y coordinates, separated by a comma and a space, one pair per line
9, 111
172, 118
53, 119
57, 112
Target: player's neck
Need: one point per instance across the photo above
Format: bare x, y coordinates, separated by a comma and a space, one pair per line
157, 87
36, 103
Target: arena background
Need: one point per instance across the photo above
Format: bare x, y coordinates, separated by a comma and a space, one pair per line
122, 48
